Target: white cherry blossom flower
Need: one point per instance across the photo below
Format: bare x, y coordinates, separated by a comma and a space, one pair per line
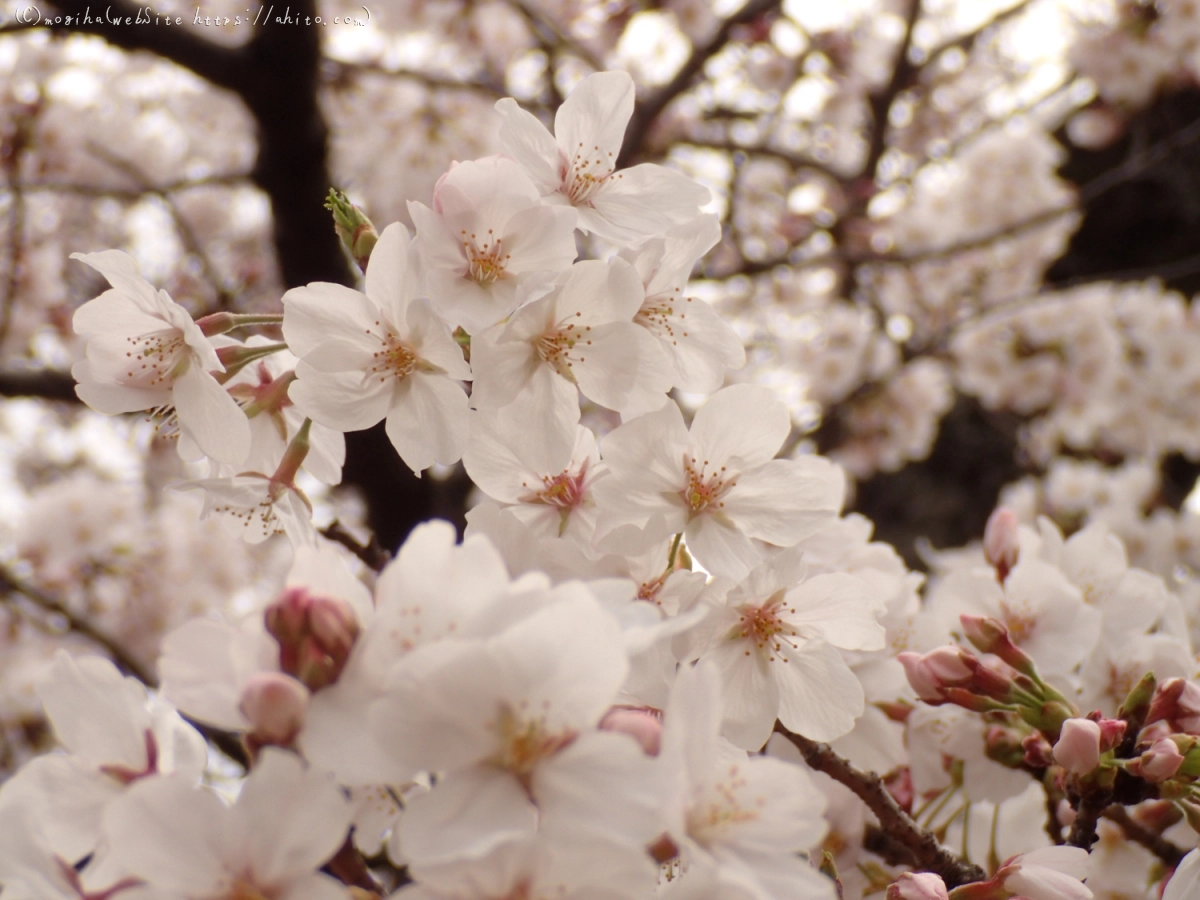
487, 234
144, 352
543, 468
735, 819
287, 822
1185, 882
776, 641
382, 354
699, 345
581, 335
717, 483
114, 735
255, 507
577, 165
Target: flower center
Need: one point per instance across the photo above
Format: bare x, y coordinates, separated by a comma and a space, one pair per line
155, 360
564, 490
721, 809
1020, 625
765, 628
485, 262
659, 314
241, 889
556, 348
523, 743
394, 358
586, 172
705, 488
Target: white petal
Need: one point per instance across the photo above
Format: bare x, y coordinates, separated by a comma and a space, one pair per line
211, 417
593, 117
319, 311
428, 422
527, 141
744, 424
344, 401
642, 201
388, 279
819, 697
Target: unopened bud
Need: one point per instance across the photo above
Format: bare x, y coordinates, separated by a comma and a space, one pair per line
315, 636
1159, 763
276, 705
1038, 752
1078, 747
1004, 745
642, 724
1001, 541
1136, 706
990, 635
1177, 701
930, 673
293, 458
1112, 732
918, 886
357, 233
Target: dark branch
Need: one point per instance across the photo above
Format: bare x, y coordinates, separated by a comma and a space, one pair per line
44, 383
646, 112
371, 554
881, 101
925, 849
1168, 852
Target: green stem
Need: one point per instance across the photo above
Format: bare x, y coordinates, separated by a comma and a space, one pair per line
673, 552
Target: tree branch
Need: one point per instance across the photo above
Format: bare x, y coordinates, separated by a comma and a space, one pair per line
1168, 852
899, 825
881, 101
44, 383
645, 113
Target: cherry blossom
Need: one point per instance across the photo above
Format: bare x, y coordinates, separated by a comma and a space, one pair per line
578, 164
383, 354
145, 352
487, 235
716, 483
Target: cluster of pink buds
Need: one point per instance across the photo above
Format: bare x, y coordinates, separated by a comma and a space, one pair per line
315, 636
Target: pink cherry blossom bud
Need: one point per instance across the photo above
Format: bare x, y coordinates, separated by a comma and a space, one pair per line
1160, 762
1049, 873
644, 725
1078, 747
1112, 732
1038, 752
315, 635
1066, 813
1178, 702
918, 886
930, 673
275, 704
1001, 544
990, 635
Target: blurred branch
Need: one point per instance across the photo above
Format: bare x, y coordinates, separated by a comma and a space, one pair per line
334, 71
929, 854
881, 101
646, 112
10, 584
1168, 852
91, 190
47, 384
372, 555
224, 66
547, 34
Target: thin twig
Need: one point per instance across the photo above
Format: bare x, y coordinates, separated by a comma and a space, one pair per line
371, 554
899, 825
881, 101
1167, 851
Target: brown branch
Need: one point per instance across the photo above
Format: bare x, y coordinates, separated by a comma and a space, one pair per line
1168, 852
225, 67
44, 383
647, 111
881, 101
371, 554
929, 854
1087, 813
10, 584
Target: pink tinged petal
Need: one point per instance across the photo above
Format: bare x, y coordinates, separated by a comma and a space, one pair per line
68, 798
97, 713
527, 141
340, 355
502, 370
720, 546
1185, 883
116, 312
433, 342
790, 809
435, 242
335, 737
27, 859
593, 117
819, 697
470, 813
122, 272
598, 292
642, 201
343, 400
462, 301
428, 421
602, 786
211, 417
743, 424
294, 817
203, 665
840, 609
541, 238
172, 835
512, 449
483, 192
388, 279
326, 454
784, 501
319, 311
114, 399
620, 368
699, 344
750, 691
681, 248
